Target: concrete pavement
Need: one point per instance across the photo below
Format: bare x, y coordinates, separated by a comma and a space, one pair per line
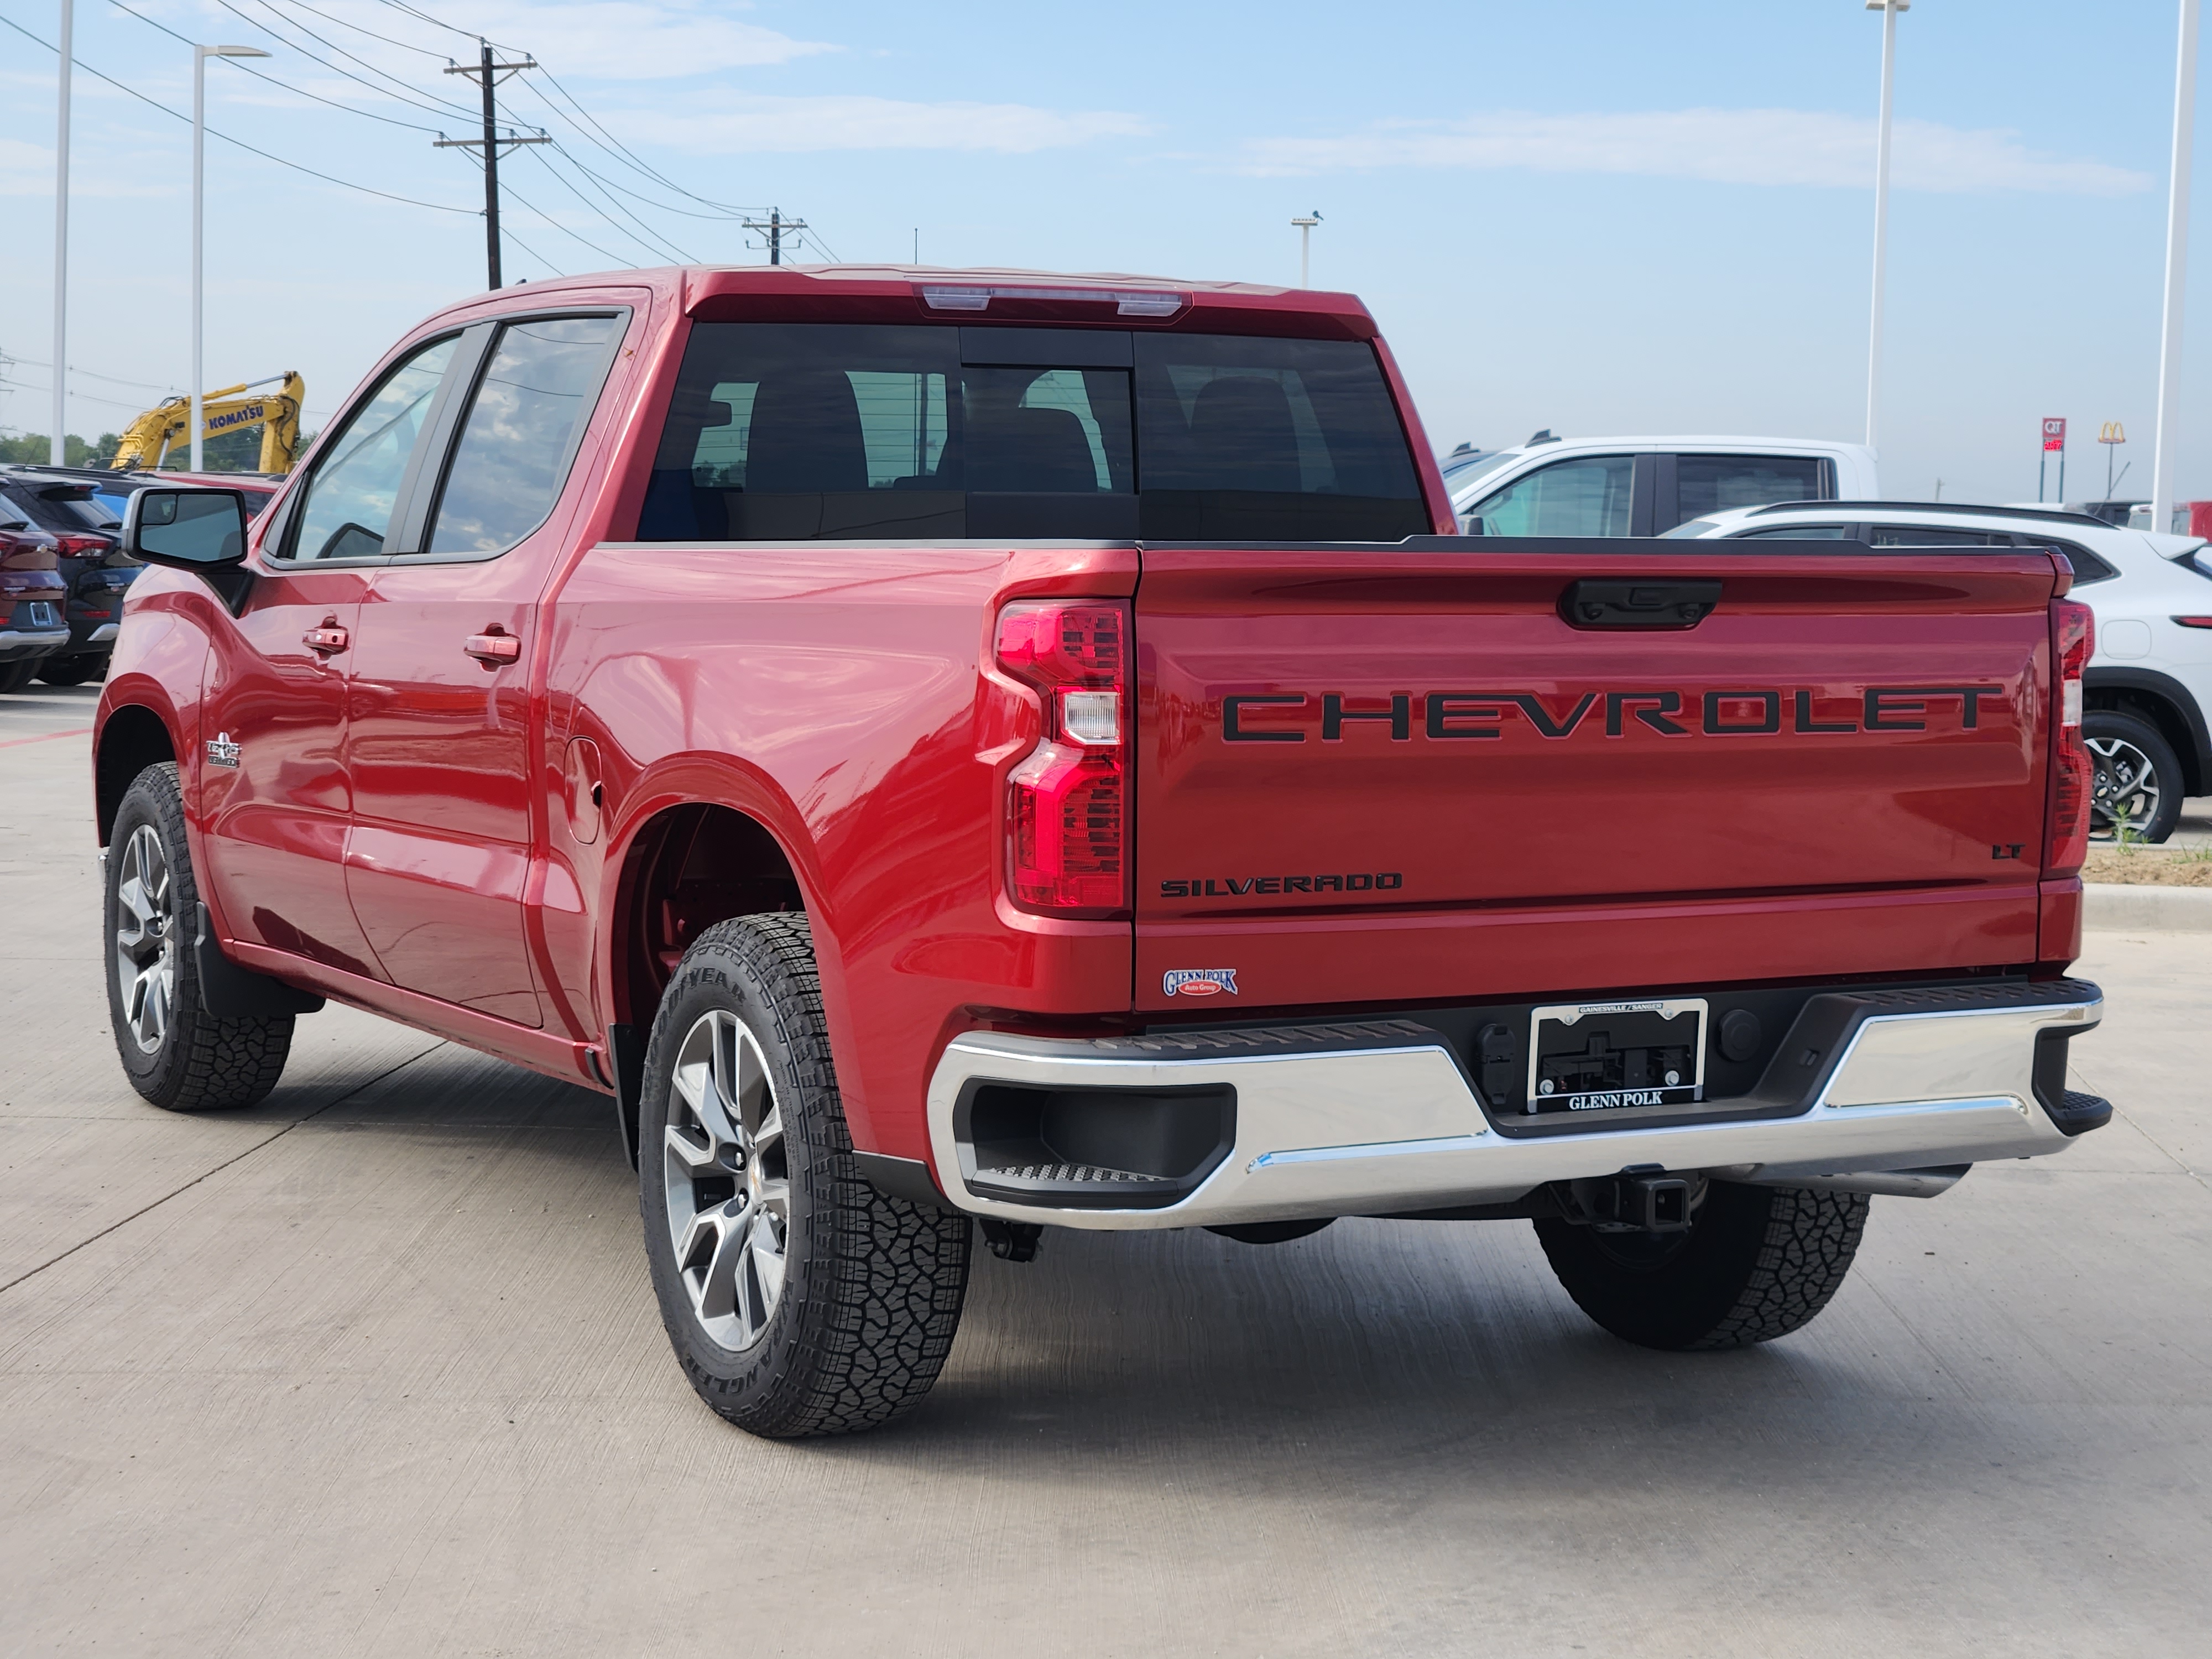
374, 1368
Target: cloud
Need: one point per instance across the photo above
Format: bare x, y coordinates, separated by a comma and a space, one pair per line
596, 39
1718, 146
720, 126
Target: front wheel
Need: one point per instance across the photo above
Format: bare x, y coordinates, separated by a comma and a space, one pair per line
1758, 1263
800, 1300
176, 1053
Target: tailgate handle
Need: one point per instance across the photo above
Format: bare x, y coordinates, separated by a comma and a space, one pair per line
1613, 602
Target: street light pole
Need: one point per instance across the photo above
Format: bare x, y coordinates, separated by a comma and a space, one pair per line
200, 55
1305, 223
1888, 8
2177, 260
59, 453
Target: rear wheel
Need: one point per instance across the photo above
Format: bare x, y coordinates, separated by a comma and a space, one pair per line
176, 1053
14, 676
800, 1300
2137, 777
1757, 1262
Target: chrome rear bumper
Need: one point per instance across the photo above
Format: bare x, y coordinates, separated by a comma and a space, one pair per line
1374, 1118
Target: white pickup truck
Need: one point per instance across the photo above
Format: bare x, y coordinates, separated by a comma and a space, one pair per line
1553, 486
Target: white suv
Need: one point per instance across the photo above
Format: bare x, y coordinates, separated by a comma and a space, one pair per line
2150, 681
1643, 486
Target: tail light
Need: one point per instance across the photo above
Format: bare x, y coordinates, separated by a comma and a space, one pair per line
2073, 638
70, 546
1067, 800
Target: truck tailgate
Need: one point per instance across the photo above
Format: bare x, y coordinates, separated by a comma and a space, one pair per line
1371, 775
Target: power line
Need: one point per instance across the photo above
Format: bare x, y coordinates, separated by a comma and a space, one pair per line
535, 254
659, 247
624, 152
7, 358
617, 258
425, 17
437, 107
260, 74
251, 149
588, 127
344, 23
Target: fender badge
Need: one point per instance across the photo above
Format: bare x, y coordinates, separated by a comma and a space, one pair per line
222, 751
1199, 981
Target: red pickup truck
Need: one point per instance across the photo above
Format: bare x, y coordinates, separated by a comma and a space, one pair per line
946, 750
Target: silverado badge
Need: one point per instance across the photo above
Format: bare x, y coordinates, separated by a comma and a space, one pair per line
1199, 981
222, 751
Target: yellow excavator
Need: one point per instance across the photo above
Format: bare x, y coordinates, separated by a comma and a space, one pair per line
150, 439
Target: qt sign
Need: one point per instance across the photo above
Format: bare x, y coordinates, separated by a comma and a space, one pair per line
2054, 433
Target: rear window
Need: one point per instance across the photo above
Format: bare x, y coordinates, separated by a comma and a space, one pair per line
59, 512
831, 431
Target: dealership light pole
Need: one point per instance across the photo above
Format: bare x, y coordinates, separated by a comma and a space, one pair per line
1305, 223
59, 453
2177, 260
1888, 8
200, 55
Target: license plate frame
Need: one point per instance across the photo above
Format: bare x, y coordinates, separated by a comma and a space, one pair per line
1627, 1074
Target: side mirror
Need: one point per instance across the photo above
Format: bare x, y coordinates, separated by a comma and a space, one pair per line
1475, 526
195, 529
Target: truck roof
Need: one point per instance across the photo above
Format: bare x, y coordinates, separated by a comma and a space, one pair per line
891, 293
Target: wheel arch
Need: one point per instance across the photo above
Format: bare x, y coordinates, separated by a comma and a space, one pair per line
132, 737
686, 863
2166, 703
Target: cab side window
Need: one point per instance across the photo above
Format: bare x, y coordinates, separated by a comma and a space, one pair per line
528, 416
1586, 496
1714, 484
345, 512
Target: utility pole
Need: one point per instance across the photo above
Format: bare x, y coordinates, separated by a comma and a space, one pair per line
491, 74
1888, 8
59, 453
1305, 223
2177, 260
776, 224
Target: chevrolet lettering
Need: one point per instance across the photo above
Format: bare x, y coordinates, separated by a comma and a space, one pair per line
1272, 717
862, 721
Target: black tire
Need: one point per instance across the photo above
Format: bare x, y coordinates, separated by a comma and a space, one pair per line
67, 671
871, 1286
1758, 1263
14, 676
2150, 777
196, 1062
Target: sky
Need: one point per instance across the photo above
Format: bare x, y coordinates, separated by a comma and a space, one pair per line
1601, 216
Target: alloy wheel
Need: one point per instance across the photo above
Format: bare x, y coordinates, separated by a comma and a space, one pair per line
2126, 782
145, 939
728, 1179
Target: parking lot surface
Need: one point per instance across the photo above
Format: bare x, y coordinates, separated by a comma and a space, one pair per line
374, 1368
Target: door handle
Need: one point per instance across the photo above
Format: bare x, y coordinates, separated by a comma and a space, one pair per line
493, 649
1637, 602
327, 639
